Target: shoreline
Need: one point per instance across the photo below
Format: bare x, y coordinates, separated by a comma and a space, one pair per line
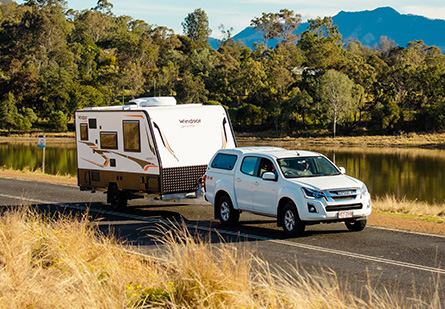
405, 140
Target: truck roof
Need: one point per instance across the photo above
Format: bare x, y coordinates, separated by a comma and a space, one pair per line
276, 152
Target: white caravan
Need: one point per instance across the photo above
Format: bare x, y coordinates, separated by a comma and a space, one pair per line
150, 146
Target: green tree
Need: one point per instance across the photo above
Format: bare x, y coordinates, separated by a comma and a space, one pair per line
196, 27
59, 121
268, 25
335, 92
322, 44
288, 24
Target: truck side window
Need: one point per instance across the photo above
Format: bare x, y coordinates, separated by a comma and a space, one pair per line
224, 161
108, 140
132, 139
83, 132
249, 165
266, 166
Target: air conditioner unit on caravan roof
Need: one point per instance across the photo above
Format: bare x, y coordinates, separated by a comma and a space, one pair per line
154, 101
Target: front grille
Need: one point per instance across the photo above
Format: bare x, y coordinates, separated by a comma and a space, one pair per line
344, 207
342, 194
182, 179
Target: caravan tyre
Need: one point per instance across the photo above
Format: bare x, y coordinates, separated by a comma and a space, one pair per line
117, 198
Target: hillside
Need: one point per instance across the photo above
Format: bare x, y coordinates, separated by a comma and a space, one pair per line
369, 26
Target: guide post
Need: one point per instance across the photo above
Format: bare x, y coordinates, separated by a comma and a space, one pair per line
42, 144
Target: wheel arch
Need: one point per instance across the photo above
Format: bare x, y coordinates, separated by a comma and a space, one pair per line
280, 215
218, 195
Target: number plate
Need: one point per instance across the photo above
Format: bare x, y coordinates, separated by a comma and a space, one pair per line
345, 214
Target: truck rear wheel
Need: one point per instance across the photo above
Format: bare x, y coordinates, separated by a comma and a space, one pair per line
117, 199
227, 214
292, 225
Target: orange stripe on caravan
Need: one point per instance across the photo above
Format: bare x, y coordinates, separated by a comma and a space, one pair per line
139, 116
148, 166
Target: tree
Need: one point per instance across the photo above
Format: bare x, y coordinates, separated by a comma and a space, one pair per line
268, 25
322, 44
196, 27
289, 22
335, 91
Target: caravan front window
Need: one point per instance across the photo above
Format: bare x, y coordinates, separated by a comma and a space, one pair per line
108, 140
83, 132
132, 140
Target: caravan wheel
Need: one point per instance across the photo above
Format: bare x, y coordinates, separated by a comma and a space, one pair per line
116, 198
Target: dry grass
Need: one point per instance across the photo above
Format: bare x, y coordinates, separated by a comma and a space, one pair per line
436, 140
37, 175
391, 204
64, 262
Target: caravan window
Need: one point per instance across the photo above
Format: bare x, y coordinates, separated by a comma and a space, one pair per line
83, 132
132, 140
108, 140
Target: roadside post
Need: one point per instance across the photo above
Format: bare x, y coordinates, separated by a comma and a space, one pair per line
42, 144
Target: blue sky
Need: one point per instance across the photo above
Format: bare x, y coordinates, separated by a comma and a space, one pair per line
238, 13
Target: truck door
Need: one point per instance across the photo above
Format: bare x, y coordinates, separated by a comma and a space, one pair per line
265, 191
244, 182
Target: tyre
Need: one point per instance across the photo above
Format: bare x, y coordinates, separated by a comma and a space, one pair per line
227, 214
292, 225
356, 226
116, 198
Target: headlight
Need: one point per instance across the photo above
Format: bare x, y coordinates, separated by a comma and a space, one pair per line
309, 193
364, 190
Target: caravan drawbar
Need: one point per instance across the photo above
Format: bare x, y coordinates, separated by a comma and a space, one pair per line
151, 145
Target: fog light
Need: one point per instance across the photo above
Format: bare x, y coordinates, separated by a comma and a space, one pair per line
312, 208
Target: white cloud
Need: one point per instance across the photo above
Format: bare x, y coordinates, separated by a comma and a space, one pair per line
430, 12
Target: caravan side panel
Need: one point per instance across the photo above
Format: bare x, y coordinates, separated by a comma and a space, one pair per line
116, 147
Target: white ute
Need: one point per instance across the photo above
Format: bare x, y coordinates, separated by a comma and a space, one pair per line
299, 188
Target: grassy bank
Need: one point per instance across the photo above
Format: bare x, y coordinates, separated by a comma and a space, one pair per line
427, 140
66, 262
436, 140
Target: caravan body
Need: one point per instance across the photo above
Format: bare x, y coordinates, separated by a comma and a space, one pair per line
151, 145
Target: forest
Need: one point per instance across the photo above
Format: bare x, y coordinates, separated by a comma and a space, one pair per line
55, 60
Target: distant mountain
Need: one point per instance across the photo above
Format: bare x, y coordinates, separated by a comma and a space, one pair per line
369, 26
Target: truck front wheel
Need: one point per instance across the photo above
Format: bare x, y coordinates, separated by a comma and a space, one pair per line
227, 214
292, 225
356, 226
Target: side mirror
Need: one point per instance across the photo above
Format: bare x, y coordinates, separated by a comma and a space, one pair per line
269, 176
342, 170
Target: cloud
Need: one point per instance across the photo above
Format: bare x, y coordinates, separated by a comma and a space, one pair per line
430, 12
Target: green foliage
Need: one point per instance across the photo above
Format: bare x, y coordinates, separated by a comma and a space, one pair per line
59, 121
54, 60
196, 27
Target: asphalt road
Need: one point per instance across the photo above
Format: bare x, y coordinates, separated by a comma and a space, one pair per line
404, 263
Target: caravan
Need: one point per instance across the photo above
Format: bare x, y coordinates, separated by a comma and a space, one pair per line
150, 145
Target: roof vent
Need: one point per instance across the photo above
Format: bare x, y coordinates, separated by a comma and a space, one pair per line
154, 101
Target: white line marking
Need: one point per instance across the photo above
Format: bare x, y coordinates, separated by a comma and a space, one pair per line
248, 236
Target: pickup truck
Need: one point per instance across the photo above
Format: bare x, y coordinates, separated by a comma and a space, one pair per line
297, 187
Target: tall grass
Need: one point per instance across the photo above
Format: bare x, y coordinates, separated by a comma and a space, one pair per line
65, 262
390, 204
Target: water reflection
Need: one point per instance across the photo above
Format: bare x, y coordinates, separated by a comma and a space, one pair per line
59, 159
405, 172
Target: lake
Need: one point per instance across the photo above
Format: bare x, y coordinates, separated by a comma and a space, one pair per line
404, 172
